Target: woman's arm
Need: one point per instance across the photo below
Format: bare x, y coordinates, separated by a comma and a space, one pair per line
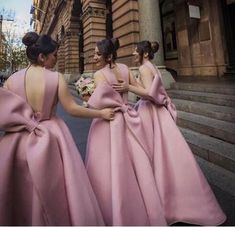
134, 86
74, 109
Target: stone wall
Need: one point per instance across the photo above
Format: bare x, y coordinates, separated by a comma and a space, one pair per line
78, 24
126, 28
94, 29
62, 21
199, 41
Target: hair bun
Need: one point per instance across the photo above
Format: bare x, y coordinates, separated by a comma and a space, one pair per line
45, 39
116, 43
30, 38
155, 46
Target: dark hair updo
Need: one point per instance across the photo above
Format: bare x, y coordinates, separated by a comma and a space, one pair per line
108, 47
38, 44
147, 47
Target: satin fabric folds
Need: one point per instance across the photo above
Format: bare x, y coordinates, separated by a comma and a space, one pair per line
118, 161
185, 194
42, 177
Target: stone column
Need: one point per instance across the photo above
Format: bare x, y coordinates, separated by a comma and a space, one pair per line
94, 29
125, 20
71, 56
150, 29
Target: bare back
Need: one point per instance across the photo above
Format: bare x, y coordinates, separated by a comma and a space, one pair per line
113, 76
38, 87
35, 87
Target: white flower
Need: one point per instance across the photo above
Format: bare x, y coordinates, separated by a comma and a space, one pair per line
85, 86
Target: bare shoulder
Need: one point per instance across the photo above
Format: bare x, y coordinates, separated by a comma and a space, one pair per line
7, 84
53, 73
61, 81
123, 65
124, 68
60, 75
98, 75
144, 70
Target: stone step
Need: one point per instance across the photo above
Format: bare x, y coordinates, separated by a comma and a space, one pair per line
218, 176
223, 113
211, 149
212, 127
213, 98
228, 88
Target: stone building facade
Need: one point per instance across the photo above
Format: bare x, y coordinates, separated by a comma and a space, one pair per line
202, 46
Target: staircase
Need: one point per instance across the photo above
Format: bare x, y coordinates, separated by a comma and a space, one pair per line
206, 117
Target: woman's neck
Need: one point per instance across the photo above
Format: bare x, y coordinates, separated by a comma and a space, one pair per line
112, 66
36, 66
145, 60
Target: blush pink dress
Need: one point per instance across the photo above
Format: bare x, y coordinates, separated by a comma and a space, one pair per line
118, 161
42, 178
184, 192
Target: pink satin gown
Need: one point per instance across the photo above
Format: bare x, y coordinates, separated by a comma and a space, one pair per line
118, 162
42, 178
184, 192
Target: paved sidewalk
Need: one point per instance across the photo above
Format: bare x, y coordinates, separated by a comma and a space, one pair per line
79, 128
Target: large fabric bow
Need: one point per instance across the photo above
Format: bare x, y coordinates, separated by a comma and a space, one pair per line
159, 96
105, 96
42, 154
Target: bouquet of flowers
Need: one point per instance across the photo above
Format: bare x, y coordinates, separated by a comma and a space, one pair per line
85, 87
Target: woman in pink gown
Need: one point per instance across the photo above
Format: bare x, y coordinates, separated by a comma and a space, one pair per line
185, 194
118, 162
42, 178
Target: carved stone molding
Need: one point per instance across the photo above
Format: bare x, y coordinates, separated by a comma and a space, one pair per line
94, 12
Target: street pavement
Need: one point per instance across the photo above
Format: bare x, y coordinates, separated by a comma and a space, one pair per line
80, 128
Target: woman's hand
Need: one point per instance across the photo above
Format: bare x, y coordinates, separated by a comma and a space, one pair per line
108, 114
121, 86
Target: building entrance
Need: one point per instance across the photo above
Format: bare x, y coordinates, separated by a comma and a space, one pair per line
229, 18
